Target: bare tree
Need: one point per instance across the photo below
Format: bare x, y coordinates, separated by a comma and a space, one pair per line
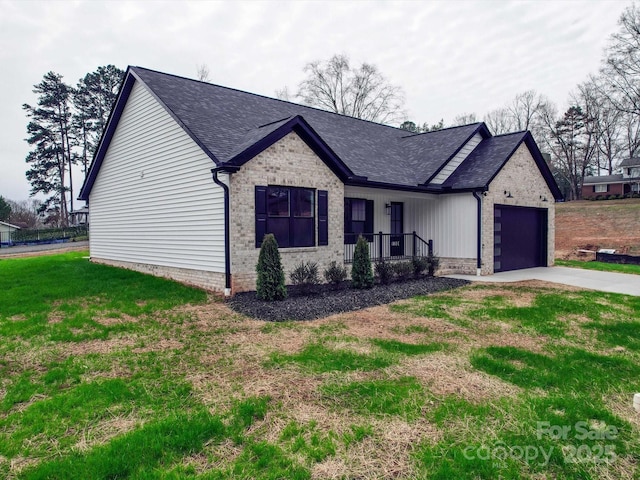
361, 92
499, 121
284, 94
202, 72
464, 119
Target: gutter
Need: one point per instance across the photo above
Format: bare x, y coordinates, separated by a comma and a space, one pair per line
227, 246
478, 197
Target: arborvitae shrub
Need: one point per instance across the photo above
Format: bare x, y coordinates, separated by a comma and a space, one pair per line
384, 271
270, 283
361, 272
335, 273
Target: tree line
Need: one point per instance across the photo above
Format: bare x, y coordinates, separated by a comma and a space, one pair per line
65, 126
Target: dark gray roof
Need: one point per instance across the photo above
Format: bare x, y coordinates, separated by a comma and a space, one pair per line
603, 179
485, 161
226, 121
231, 126
630, 162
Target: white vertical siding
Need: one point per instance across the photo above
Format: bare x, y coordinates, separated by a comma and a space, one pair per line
154, 201
449, 220
457, 159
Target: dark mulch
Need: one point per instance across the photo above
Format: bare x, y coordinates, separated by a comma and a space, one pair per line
325, 300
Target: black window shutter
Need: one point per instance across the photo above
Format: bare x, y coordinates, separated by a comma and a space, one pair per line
323, 217
261, 214
368, 220
594, 189
348, 237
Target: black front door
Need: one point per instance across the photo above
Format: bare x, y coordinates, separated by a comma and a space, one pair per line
397, 230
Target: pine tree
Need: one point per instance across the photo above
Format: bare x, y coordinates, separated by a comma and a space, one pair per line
361, 272
49, 133
5, 210
270, 284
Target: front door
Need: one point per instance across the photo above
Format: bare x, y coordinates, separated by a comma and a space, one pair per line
397, 230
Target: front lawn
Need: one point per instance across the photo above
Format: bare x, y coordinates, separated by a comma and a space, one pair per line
107, 373
600, 266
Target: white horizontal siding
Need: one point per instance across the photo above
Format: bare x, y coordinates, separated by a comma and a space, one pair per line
154, 200
457, 159
449, 220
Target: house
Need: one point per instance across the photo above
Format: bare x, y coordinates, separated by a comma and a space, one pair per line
190, 176
79, 216
6, 229
620, 184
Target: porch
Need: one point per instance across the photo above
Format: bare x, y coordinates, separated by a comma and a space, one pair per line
389, 246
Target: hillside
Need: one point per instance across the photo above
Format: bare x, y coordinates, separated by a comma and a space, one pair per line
598, 224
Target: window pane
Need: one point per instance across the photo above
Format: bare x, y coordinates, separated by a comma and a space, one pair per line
278, 202
601, 188
303, 203
280, 229
303, 232
358, 210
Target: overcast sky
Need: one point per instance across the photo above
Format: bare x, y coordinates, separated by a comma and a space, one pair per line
450, 57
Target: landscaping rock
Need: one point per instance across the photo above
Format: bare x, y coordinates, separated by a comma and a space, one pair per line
324, 300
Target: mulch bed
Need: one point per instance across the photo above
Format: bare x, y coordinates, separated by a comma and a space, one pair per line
324, 300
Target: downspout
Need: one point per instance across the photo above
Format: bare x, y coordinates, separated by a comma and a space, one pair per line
227, 247
478, 197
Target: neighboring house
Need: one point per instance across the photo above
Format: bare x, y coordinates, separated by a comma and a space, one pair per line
190, 176
6, 229
621, 184
80, 216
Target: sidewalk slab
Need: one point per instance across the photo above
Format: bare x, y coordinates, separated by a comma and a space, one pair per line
591, 279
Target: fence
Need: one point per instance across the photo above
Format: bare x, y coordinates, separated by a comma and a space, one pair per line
36, 236
617, 258
389, 246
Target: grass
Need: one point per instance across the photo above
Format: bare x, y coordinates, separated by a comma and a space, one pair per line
106, 373
600, 266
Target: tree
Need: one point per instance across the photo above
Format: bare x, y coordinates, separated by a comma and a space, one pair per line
25, 213
270, 283
361, 92
5, 210
621, 67
49, 133
573, 142
410, 126
522, 113
464, 119
203, 72
93, 100
361, 271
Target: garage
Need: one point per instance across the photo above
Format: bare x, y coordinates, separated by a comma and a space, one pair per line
520, 238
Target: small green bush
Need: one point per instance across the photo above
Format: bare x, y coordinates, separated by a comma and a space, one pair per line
270, 283
305, 274
420, 264
434, 263
384, 271
402, 270
335, 273
361, 271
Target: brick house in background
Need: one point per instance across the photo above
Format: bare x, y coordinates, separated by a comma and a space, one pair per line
189, 176
621, 184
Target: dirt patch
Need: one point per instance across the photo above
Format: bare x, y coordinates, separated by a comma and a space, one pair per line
448, 374
591, 225
104, 431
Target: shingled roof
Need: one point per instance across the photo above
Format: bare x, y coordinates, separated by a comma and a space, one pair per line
231, 126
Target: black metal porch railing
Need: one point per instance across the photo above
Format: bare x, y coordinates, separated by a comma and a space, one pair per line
389, 246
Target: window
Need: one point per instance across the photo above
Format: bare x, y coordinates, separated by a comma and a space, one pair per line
601, 188
290, 214
358, 219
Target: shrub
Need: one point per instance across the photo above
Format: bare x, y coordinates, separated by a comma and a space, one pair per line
335, 273
305, 274
361, 272
384, 271
420, 264
434, 263
270, 283
402, 269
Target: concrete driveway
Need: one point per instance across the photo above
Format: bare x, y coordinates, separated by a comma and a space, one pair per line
578, 277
